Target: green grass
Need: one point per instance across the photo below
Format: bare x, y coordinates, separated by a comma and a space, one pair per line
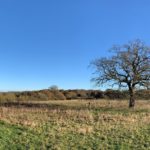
16, 137
75, 125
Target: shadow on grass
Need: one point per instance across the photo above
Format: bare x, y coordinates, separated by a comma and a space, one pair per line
52, 106
39, 105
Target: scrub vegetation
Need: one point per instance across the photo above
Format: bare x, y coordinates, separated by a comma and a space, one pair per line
48, 94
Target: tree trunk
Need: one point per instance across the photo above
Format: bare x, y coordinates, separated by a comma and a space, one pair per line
132, 98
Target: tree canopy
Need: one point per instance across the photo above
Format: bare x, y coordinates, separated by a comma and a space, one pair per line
129, 66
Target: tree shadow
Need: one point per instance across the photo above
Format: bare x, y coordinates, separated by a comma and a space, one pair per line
52, 106
42, 106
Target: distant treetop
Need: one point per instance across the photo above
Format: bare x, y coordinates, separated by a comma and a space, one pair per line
53, 87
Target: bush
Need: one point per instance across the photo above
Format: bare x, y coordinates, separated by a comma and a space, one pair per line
58, 95
143, 94
116, 94
70, 95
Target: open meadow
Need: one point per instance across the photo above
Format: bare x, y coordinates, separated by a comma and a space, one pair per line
75, 124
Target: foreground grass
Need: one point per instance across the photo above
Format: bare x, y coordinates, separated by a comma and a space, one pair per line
75, 125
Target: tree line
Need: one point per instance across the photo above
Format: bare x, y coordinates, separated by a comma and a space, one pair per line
48, 94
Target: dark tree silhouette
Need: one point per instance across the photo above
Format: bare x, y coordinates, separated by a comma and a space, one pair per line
128, 67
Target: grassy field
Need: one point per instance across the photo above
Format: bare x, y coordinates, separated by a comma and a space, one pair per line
76, 124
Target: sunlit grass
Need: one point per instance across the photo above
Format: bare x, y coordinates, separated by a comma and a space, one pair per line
76, 124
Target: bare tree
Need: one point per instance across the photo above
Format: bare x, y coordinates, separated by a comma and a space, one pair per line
128, 67
53, 87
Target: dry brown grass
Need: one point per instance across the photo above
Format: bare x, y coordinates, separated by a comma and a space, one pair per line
100, 123
102, 111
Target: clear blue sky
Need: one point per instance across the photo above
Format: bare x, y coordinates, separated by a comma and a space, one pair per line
47, 42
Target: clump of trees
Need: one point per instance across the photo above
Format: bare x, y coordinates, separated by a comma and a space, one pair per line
128, 67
